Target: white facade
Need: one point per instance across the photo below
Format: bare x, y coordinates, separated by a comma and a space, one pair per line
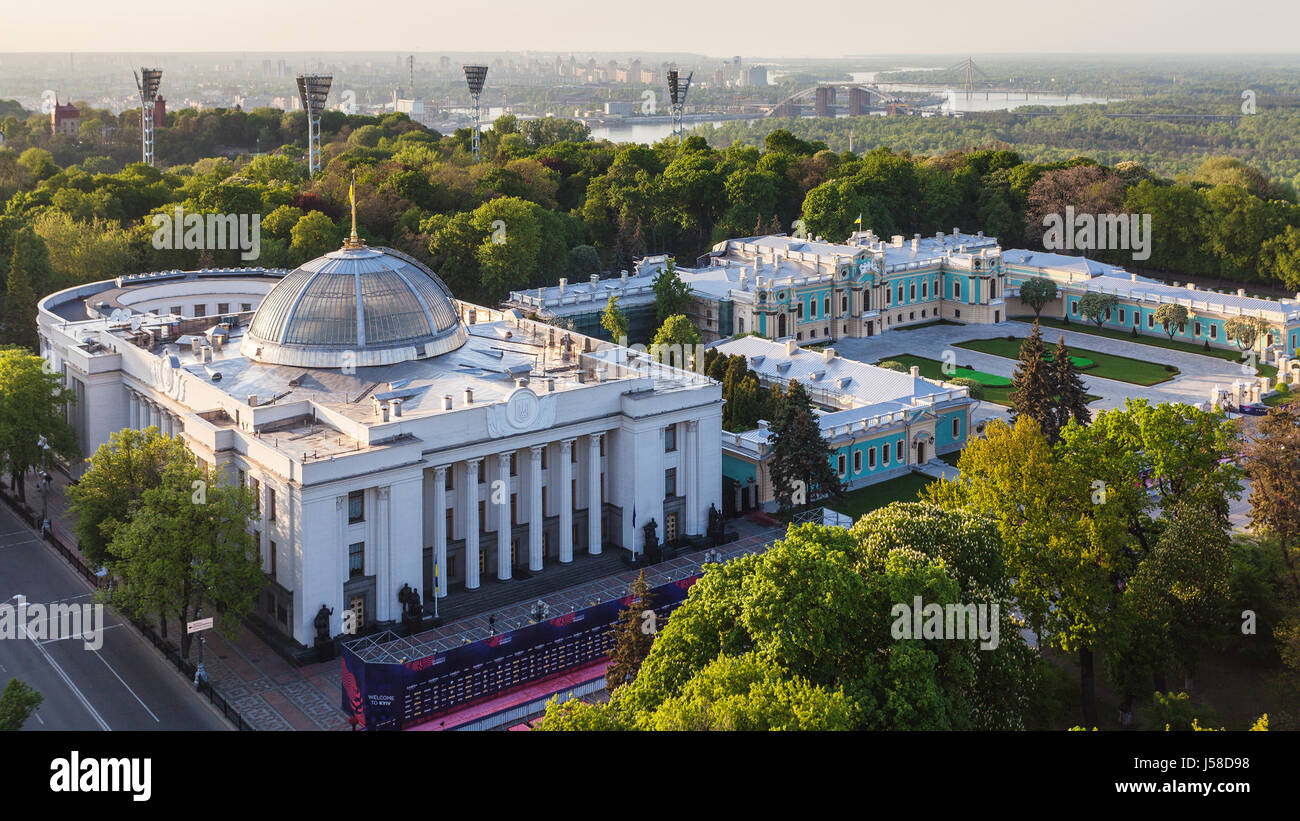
370, 479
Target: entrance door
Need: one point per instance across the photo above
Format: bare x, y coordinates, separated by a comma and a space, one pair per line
780, 325
357, 606
920, 453
871, 328
670, 528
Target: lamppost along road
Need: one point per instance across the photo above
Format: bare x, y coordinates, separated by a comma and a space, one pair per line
123, 685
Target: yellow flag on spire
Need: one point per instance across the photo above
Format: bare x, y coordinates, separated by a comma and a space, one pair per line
353, 241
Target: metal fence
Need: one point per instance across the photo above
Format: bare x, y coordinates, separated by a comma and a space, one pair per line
165, 647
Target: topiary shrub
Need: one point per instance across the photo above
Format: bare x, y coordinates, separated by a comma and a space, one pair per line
974, 387
893, 365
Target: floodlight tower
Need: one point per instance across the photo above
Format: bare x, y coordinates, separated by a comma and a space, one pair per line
313, 89
147, 81
474, 76
677, 89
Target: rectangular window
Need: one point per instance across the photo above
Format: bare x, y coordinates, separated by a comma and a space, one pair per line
482, 515
857, 461
256, 487
356, 559
843, 465
956, 428
798, 311
273, 552
826, 306
451, 524
898, 451
844, 304
670, 482
246, 307
956, 290
544, 501
911, 292
884, 454
900, 294
514, 509
482, 471
1074, 308
1214, 332
174, 310
200, 310
1151, 320
447, 482
925, 290
670, 439
270, 504
602, 446
356, 506
1197, 329
514, 465
545, 451
223, 307
889, 296
871, 458
1121, 316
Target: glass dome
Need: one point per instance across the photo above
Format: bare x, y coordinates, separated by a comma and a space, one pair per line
356, 307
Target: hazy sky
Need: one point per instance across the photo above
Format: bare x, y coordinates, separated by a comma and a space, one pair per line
753, 28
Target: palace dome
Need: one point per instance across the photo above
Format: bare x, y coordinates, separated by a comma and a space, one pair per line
355, 307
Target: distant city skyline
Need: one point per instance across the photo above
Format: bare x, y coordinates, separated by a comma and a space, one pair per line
758, 29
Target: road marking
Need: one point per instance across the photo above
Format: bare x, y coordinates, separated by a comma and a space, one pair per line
128, 687
68, 681
79, 635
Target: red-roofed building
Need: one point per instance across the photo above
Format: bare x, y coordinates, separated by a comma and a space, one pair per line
65, 119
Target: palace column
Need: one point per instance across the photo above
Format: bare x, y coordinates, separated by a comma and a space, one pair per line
471, 523
690, 464
535, 508
566, 501
153, 415
503, 515
440, 530
133, 402
593, 495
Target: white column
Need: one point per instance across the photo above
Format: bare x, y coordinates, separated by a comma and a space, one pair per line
440, 530
689, 463
566, 501
535, 520
471, 523
385, 585
503, 516
593, 495
133, 400
153, 415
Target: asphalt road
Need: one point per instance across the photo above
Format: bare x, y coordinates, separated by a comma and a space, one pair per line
123, 685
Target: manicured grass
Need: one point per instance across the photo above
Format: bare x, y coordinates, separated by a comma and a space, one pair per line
862, 501
995, 387
1154, 341
1104, 365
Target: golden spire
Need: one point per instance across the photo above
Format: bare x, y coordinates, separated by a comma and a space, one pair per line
353, 241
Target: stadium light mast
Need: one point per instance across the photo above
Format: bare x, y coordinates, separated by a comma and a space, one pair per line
147, 81
313, 89
474, 77
677, 89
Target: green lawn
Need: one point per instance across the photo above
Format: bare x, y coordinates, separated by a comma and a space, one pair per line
1104, 365
862, 501
996, 388
1154, 341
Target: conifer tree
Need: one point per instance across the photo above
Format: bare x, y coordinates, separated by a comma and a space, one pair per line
1033, 389
634, 632
1071, 400
801, 459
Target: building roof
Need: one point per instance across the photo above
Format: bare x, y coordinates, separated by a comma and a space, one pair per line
355, 306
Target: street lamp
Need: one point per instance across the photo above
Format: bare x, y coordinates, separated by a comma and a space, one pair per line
45, 484
200, 674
